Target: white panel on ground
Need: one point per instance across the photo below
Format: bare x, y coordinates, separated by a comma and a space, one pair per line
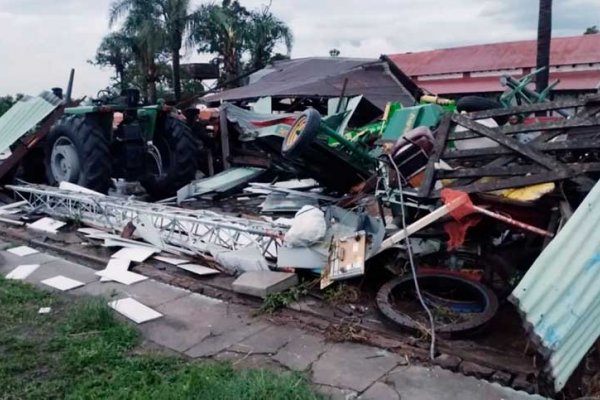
22, 251
172, 261
134, 310
62, 283
46, 224
22, 271
124, 277
90, 231
115, 265
198, 269
137, 254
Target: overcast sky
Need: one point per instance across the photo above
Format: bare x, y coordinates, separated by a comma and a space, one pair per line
40, 40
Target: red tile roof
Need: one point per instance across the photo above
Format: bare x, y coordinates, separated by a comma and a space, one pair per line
497, 56
584, 80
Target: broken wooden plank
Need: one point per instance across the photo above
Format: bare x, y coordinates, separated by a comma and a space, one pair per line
531, 108
516, 170
520, 148
438, 148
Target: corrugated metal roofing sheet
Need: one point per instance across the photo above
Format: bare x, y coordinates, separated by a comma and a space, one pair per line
323, 77
24, 116
560, 294
581, 49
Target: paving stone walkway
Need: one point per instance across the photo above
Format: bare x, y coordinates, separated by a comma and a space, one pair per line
200, 326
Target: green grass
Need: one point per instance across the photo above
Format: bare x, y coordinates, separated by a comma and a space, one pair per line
81, 351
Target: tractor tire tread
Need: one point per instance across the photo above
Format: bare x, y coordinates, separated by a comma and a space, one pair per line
92, 147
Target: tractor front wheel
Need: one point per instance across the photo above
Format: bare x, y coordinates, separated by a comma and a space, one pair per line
179, 153
77, 151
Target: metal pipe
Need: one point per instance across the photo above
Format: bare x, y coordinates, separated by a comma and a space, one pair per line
70, 86
339, 104
345, 142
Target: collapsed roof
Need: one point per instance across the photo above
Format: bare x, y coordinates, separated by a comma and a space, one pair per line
377, 80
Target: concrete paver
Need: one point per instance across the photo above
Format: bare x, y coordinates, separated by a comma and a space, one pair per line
268, 341
10, 261
416, 382
149, 292
263, 283
187, 321
301, 352
224, 338
200, 326
256, 361
61, 267
379, 391
334, 393
352, 366
175, 333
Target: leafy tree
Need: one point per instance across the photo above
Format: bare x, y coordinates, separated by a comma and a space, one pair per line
592, 30
233, 32
334, 53
222, 29
115, 52
177, 20
264, 32
6, 102
147, 39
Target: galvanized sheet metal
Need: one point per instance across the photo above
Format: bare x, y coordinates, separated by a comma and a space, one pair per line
24, 116
560, 294
323, 77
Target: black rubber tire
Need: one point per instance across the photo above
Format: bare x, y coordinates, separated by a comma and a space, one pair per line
298, 137
93, 149
180, 154
386, 292
477, 103
32, 167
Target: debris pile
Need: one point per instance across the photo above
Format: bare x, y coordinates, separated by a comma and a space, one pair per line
445, 207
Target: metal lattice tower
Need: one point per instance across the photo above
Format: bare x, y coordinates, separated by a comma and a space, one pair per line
186, 231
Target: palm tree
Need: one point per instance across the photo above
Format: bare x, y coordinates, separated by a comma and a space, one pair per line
264, 32
146, 37
232, 31
177, 20
222, 30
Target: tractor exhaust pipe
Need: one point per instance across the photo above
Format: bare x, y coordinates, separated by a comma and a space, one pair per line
70, 86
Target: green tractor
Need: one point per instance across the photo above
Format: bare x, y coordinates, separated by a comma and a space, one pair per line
119, 138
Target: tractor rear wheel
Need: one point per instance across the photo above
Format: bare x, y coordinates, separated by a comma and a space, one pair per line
179, 153
77, 151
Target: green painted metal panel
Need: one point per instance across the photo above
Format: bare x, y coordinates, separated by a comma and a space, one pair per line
24, 116
560, 294
408, 118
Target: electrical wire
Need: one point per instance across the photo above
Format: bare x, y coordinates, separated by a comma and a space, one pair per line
411, 260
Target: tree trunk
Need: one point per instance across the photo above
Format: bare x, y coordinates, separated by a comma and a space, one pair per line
543, 44
121, 78
230, 64
151, 78
152, 92
176, 74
